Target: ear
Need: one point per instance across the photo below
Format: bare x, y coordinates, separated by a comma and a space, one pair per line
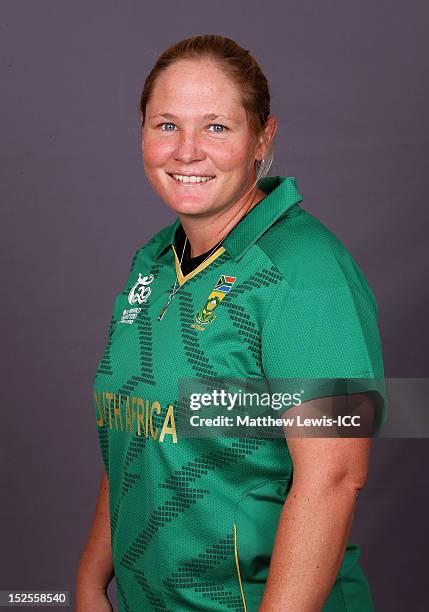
266, 138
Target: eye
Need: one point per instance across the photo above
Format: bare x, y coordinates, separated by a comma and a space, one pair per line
167, 129
218, 125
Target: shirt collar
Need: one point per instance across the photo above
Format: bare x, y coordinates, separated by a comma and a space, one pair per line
282, 193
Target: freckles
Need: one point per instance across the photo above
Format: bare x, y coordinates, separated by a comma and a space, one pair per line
156, 151
230, 155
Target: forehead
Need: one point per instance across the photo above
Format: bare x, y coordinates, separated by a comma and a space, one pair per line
196, 86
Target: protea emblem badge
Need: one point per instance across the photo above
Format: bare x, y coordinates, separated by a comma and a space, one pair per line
140, 291
206, 315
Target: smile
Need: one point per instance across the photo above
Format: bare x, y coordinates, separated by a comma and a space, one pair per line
194, 179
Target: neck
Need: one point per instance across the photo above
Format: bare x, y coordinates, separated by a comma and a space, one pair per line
206, 232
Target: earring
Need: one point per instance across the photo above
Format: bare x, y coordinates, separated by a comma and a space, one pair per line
260, 169
265, 165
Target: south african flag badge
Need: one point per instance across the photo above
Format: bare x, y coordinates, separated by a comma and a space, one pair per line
206, 315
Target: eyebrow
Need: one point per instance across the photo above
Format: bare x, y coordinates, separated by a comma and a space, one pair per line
210, 116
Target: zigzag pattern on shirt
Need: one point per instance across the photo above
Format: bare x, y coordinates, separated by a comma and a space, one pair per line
181, 481
195, 574
262, 278
153, 596
247, 328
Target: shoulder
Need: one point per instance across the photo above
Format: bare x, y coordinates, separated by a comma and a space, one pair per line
150, 248
144, 256
309, 255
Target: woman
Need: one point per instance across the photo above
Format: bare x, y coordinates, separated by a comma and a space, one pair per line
245, 283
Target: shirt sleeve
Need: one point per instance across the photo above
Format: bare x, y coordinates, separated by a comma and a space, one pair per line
328, 333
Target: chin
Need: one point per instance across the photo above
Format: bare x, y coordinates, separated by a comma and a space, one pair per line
188, 200
185, 207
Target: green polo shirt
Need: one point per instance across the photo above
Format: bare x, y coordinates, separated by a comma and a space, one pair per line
193, 520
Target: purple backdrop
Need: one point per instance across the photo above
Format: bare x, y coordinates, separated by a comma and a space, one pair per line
349, 86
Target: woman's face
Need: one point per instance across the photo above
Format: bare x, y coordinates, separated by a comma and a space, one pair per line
196, 126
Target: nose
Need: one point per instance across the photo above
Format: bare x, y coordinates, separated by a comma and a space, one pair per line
189, 148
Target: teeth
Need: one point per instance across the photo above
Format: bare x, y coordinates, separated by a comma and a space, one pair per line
192, 179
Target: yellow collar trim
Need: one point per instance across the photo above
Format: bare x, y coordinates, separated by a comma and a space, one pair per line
181, 278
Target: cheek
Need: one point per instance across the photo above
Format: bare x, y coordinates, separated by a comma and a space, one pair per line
230, 156
156, 153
